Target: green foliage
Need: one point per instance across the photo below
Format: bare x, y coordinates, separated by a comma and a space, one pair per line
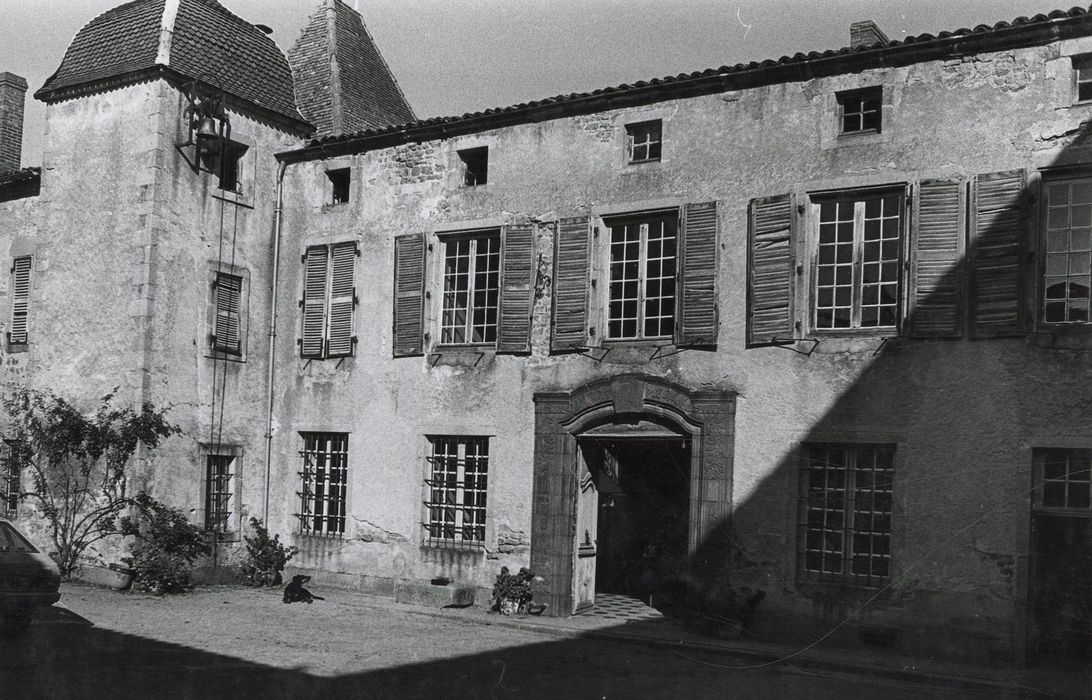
169, 545
77, 461
514, 587
265, 557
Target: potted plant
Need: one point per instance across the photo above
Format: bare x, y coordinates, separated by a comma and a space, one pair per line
512, 592
265, 557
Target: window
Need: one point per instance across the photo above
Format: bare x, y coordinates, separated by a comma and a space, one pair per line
846, 512
324, 477
219, 492
339, 185
1082, 73
1064, 478
860, 110
471, 289
20, 300
1067, 274
475, 165
643, 141
11, 461
227, 291
641, 280
456, 487
857, 261
329, 297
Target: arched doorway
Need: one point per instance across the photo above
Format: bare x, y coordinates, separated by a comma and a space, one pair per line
576, 431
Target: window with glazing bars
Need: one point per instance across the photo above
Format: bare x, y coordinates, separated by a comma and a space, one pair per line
1082, 69
1067, 276
324, 477
11, 460
219, 473
471, 289
644, 141
846, 513
861, 110
1065, 479
456, 488
20, 300
641, 292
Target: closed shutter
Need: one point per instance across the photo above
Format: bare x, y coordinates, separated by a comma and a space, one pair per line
571, 272
697, 317
936, 274
517, 287
771, 272
314, 302
20, 300
342, 300
409, 294
1000, 221
226, 331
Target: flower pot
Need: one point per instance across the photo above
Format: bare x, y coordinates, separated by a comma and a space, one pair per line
508, 606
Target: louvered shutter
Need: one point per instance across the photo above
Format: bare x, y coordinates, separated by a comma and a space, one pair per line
697, 317
936, 273
1000, 222
339, 341
409, 294
771, 272
571, 270
226, 332
517, 287
314, 302
20, 300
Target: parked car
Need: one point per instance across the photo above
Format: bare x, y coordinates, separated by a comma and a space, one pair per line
29, 579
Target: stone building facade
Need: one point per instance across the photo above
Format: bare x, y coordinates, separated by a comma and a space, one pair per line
815, 326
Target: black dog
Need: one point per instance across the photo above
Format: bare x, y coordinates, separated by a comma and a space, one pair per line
296, 593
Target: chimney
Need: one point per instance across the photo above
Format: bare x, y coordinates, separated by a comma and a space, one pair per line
866, 33
13, 90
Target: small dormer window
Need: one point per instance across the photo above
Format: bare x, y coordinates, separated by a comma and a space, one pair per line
861, 111
644, 141
475, 165
339, 185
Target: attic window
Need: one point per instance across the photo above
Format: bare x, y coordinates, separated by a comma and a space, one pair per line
339, 185
226, 168
1082, 72
475, 165
860, 111
643, 141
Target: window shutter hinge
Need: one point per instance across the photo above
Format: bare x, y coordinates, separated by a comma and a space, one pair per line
591, 331
427, 336
301, 303
429, 247
799, 269
800, 209
593, 281
428, 294
797, 325
303, 258
595, 231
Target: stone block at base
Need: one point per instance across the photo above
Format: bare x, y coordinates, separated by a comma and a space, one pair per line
424, 593
100, 576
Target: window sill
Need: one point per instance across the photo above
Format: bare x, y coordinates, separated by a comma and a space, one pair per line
338, 206
448, 546
221, 537
224, 356
848, 589
13, 348
471, 356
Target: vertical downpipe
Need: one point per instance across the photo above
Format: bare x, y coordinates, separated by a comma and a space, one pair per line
277, 216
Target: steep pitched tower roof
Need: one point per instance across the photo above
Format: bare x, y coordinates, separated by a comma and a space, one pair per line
343, 85
180, 40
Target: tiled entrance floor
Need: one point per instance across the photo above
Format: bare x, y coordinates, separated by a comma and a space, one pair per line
624, 608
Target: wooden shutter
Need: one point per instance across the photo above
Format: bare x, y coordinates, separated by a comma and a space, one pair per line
571, 269
696, 323
340, 338
409, 294
1000, 223
771, 272
314, 302
517, 288
20, 300
936, 272
226, 330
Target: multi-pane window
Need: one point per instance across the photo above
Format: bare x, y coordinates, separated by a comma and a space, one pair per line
1082, 68
11, 460
1065, 478
20, 300
846, 518
641, 289
219, 475
861, 110
324, 477
329, 297
456, 487
471, 289
643, 141
227, 293
1067, 277
857, 263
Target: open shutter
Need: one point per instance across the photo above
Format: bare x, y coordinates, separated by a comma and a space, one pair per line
1000, 221
517, 287
226, 331
936, 273
571, 271
314, 302
20, 300
340, 337
771, 272
409, 294
697, 316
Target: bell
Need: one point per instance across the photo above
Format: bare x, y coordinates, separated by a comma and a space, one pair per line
207, 133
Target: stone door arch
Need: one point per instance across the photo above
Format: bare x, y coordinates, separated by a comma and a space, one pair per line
707, 416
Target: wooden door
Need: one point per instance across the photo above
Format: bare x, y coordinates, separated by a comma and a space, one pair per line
585, 547
1060, 595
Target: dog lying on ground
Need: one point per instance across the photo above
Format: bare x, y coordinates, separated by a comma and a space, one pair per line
294, 592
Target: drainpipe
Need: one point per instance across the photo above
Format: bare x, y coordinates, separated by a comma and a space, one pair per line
272, 338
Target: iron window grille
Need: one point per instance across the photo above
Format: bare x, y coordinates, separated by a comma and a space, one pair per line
846, 510
11, 461
1064, 479
642, 275
861, 111
219, 495
644, 141
1067, 273
471, 290
324, 478
456, 488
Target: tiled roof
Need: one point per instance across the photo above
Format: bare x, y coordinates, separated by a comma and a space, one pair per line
675, 84
206, 42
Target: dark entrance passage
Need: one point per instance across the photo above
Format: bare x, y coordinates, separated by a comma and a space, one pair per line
1060, 595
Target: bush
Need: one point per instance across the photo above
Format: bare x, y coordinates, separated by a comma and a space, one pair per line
169, 545
265, 557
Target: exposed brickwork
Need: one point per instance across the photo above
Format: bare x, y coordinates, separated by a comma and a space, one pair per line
13, 90
414, 162
600, 126
866, 33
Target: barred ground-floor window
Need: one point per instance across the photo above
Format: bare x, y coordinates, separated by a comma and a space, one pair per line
456, 490
10, 468
324, 479
219, 492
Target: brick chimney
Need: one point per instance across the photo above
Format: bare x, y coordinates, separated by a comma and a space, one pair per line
866, 33
13, 90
